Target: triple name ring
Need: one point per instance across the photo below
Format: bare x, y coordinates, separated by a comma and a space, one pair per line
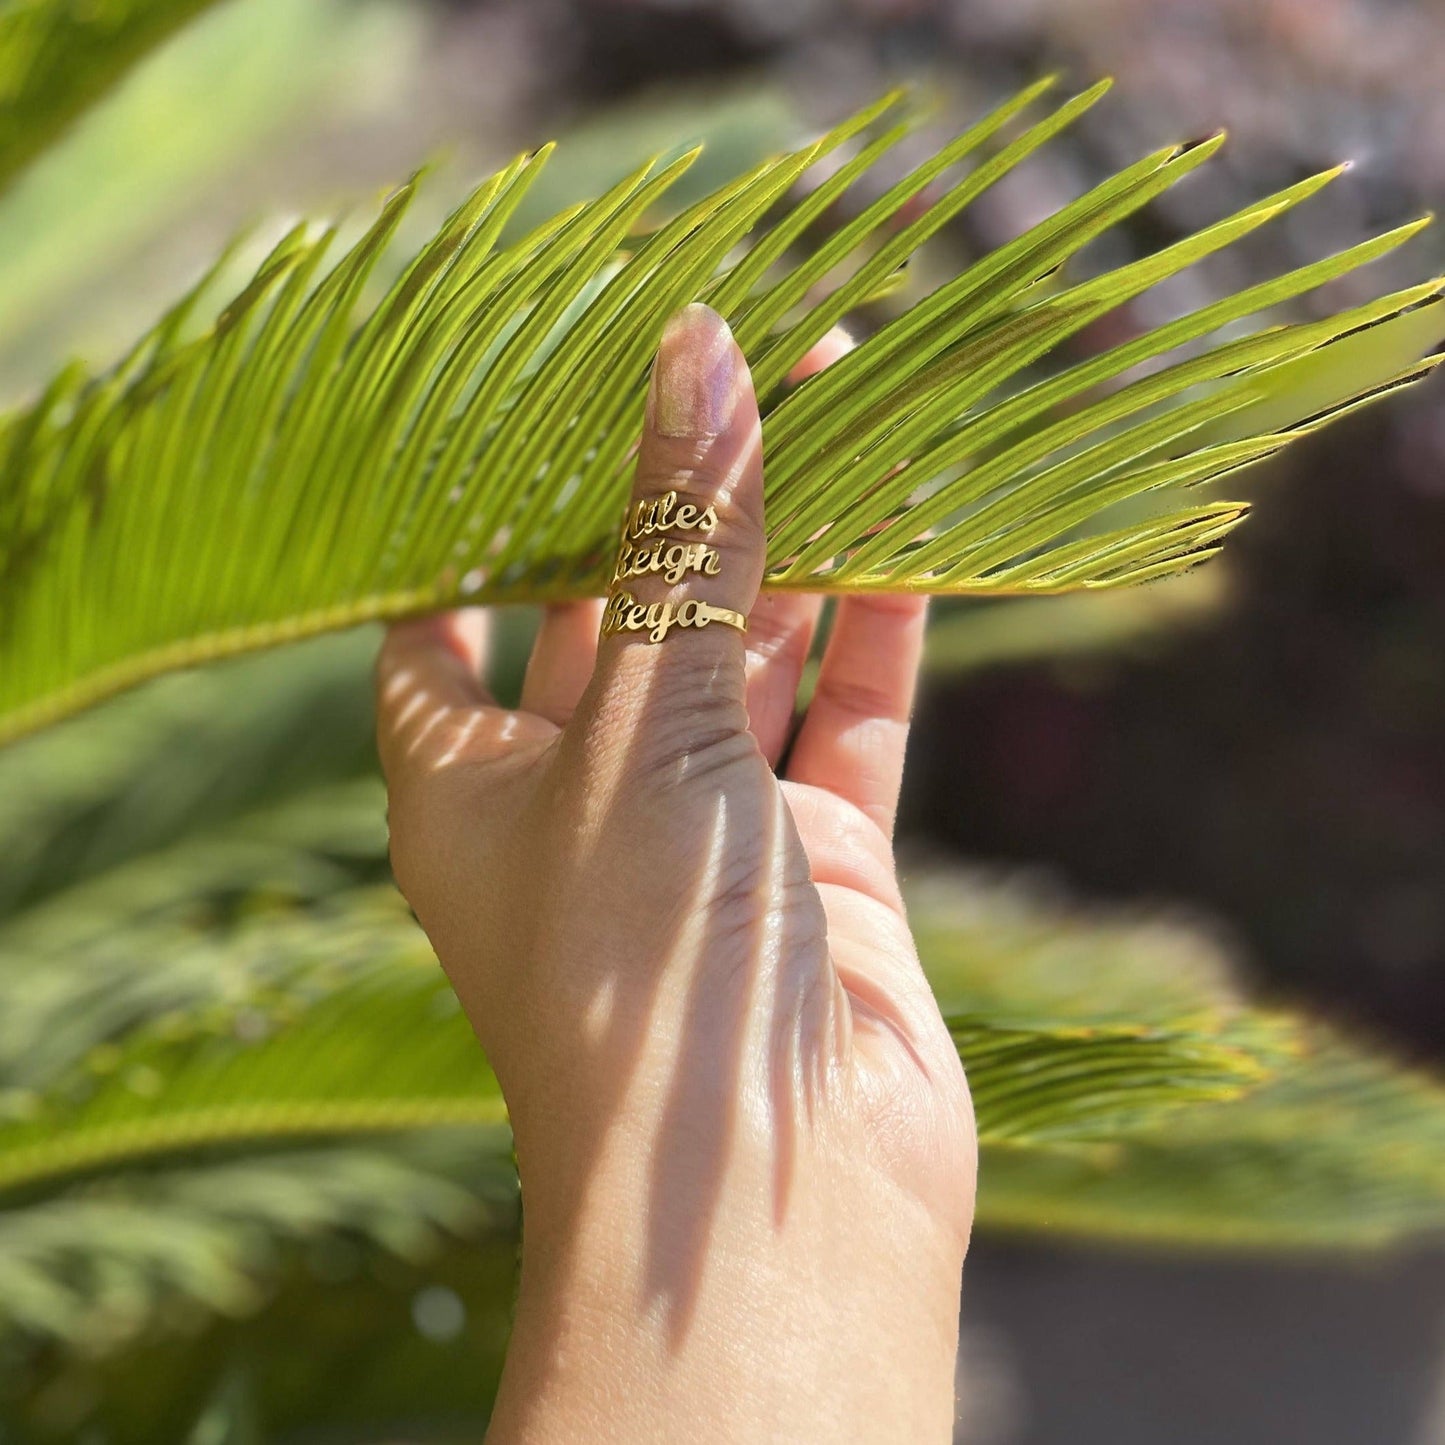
626, 614
647, 547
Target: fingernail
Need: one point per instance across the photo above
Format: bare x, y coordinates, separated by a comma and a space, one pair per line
695, 380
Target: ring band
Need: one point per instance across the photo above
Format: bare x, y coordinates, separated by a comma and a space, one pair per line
657, 619
709, 612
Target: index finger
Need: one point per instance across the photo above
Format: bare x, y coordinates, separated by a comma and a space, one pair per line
429, 684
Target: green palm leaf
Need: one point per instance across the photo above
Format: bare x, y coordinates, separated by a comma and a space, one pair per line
318, 457
325, 1335
95, 1267
90, 233
232, 977
335, 1021
1338, 1146
58, 56
1343, 1149
342, 1025
1140, 1018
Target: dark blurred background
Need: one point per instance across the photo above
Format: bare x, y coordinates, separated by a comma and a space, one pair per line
1276, 762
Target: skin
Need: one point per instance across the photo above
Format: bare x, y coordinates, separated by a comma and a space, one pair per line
745, 1141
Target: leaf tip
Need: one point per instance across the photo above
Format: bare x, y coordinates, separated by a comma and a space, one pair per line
1200, 148
1043, 85
1409, 230
897, 95
423, 171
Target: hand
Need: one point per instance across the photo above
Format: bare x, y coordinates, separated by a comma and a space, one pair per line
745, 1141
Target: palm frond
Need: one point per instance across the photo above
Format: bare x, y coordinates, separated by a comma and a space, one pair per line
1090, 1027
318, 458
98, 1266
312, 1042
346, 1345
57, 57
1339, 1146
1344, 1149
335, 1021
232, 977
140, 800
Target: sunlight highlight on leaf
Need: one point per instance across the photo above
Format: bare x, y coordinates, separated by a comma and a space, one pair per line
321, 458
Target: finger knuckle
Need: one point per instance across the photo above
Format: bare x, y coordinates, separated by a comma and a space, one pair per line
861, 697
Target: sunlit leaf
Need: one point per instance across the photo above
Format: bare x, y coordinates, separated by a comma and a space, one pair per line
321, 457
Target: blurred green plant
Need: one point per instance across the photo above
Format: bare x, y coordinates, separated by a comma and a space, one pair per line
227, 1058
972, 636
100, 224
224, 1045
59, 56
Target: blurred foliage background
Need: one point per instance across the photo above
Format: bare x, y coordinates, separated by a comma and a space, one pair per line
1243, 772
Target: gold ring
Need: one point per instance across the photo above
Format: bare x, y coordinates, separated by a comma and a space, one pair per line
711, 613
657, 619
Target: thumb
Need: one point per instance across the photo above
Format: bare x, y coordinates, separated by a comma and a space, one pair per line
670, 664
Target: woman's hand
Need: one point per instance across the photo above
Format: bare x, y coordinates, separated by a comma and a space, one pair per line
745, 1142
